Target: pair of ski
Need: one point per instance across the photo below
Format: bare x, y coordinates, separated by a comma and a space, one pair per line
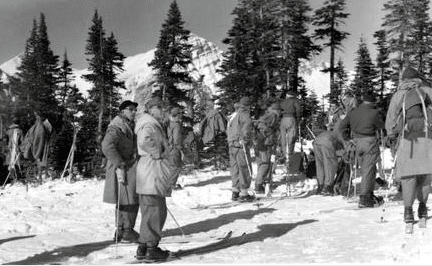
218, 244
409, 227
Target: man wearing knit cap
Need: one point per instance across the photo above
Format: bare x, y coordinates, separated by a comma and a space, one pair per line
239, 137
365, 122
119, 147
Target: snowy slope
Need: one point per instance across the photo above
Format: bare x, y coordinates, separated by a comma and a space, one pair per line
67, 223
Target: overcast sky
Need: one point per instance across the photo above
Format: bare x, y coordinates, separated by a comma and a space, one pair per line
136, 24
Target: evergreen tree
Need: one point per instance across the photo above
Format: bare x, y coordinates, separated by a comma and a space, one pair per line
114, 60
105, 63
38, 74
296, 43
397, 25
328, 19
248, 65
419, 37
341, 80
382, 63
365, 72
172, 57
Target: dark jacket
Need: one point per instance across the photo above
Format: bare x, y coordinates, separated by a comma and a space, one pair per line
212, 125
362, 121
290, 107
119, 147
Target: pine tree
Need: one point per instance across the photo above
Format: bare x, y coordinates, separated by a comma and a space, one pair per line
328, 19
296, 43
172, 57
419, 38
105, 63
249, 64
398, 24
341, 80
383, 64
365, 72
114, 60
37, 75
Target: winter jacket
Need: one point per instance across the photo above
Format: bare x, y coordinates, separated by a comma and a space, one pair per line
36, 142
291, 108
239, 129
362, 121
155, 174
119, 147
212, 125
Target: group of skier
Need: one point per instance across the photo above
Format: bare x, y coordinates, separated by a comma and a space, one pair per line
145, 155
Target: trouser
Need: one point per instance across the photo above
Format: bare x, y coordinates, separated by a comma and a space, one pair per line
367, 151
264, 166
127, 216
288, 134
153, 216
241, 179
326, 163
418, 186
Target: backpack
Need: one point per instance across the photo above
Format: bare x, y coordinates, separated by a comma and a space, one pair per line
416, 113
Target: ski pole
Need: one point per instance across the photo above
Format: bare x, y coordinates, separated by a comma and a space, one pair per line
247, 160
117, 217
178, 225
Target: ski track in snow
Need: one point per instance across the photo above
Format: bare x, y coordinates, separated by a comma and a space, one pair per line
67, 223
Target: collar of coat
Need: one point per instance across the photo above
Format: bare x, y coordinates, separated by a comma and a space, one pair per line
147, 119
122, 123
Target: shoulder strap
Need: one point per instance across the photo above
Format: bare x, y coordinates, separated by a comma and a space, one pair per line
424, 110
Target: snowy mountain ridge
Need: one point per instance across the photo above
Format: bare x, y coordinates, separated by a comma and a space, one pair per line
139, 78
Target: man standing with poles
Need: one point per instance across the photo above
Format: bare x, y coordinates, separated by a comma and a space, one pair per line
119, 147
364, 122
239, 136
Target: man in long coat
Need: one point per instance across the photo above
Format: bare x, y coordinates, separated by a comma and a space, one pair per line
155, 178
119, 147
212, 130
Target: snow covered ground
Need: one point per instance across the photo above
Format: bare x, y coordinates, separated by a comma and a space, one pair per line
67, 223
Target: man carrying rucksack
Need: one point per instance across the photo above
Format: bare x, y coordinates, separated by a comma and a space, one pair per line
266, 138
408, 125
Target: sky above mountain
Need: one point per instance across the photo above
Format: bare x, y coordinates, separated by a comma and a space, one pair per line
136, 24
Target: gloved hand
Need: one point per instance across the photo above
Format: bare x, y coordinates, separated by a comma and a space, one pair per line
121, 175
390, 141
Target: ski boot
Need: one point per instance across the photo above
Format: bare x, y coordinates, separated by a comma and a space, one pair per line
155, 254
129, 236
422, 214
409, 220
